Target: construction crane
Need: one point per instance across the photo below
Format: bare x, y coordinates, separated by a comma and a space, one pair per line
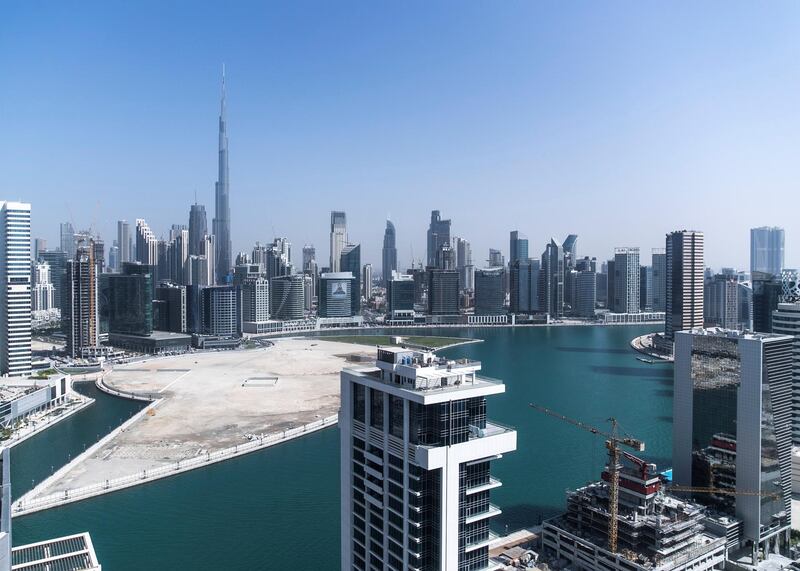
722, 491
613, 443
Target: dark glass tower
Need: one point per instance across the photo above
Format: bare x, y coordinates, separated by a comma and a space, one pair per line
221, 224
389, 252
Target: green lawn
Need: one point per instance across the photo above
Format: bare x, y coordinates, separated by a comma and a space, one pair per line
427, 340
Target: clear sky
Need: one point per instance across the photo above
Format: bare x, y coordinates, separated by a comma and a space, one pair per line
618, 121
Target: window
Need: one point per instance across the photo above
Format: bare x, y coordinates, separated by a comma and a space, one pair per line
358, 402
376, 408
396, 416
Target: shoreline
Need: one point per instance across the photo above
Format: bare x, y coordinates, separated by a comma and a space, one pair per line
50, 423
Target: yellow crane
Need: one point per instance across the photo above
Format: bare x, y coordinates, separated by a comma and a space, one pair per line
613, 443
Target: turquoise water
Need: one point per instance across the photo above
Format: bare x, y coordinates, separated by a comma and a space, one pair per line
279, 508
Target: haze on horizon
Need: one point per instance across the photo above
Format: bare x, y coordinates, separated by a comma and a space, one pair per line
617, 122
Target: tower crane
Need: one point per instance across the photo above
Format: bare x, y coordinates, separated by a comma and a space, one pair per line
613, 443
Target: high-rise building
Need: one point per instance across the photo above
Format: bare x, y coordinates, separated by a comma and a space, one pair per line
80, 314
57, 260
786, 321
490, 293
124, 241
173, 311
389, 253
309, 257
496, 259
463, 255
221, 224
570, 247
645, 288
626, 280
684, 293
551, 280
416, 463
338, 239
721, 303
366, 282
67, 235
438, 234
446, 257
659, 288
766, 294
766, 250
518, 247
586, 293
442, 292
732, 429
335, 299
221, 311
287, 297
351, 262
400, 298
39, 245
198, 228
130, 300
15, 293
43, 290
146, 244
524, 286
113, 256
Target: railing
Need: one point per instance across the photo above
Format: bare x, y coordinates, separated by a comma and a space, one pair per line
76, 494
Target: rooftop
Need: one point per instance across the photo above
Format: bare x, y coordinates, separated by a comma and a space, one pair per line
70, 553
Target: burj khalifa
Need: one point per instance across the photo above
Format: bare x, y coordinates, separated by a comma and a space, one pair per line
221, 225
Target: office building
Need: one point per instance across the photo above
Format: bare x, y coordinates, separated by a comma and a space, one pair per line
221, 224
551, 280
15, 294
124, 242
221, 311
416, 455
351, 262
446, 258
786, 321
659, 287
389, 252
287, 297
518, 247
43, 290
684, 292
170, 309
39, 245
80, 317
570, 248
255, 301
113, 256
146, 244
524, 286
645, 288
766, 250
67, 239
366, 282
586, 294
626, 280
490, 295
338, 239
438, 234
130, 300
732, 430
442, 292
496, 259
198, 228
586, 264
57, 260
99, 254
335, 299
309, 258
400, 298
721, 303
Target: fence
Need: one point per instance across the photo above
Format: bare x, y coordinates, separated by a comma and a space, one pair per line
26, 506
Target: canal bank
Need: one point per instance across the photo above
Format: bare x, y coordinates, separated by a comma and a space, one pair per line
252, 507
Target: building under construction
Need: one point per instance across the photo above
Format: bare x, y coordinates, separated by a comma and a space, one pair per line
655, 531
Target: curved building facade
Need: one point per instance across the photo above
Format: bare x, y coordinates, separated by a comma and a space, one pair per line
287, 296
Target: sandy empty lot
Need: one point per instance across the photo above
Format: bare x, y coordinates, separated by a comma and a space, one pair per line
212, 400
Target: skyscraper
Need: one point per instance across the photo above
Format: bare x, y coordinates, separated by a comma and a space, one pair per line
721, 303
490, 293
551, 280
766, 250
626, 280
524, 286
732, 429
389, 257
287, 297
442, 291
586, 293
15, 293
518, 247
570, 247
366, 281
67, 239
659, 279
416, 453
351, 262
221, 225
684, 294
43, 290
124, 243
146, 244
438, 234
198, 228
338, 239
80, 315
309, 257
496, 258
335, 299
786, 321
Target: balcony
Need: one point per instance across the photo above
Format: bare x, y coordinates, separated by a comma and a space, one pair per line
490, 485
492, 429
492, 511
481, 542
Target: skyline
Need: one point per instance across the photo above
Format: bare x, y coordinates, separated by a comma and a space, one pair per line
499, 134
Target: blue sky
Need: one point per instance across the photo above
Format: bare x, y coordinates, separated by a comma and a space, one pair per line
618, 121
